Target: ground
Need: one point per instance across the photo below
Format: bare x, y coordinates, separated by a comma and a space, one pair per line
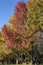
18, 64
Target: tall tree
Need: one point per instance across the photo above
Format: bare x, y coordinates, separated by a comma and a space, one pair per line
35, 15
20, 17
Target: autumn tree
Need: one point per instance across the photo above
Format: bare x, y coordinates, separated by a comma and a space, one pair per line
35, 15
25, 26
20, 17
3, 51
15, 34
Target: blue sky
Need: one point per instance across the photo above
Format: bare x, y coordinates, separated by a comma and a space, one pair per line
7, 10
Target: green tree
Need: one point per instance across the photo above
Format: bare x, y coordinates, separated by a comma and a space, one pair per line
35, 15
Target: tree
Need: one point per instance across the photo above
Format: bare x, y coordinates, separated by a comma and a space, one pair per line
35, 16
20, 17
25, 26
3, 51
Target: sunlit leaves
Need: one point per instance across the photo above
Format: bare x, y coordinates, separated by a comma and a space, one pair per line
35, 15
19, 18
25, 23
9, 35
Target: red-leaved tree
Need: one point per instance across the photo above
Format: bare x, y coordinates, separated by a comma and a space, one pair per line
20, 17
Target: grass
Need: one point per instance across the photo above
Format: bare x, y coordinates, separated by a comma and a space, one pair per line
15, 64
19, 64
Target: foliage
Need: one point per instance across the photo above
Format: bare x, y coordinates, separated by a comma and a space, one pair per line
20, 17
35, 15
25, 26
